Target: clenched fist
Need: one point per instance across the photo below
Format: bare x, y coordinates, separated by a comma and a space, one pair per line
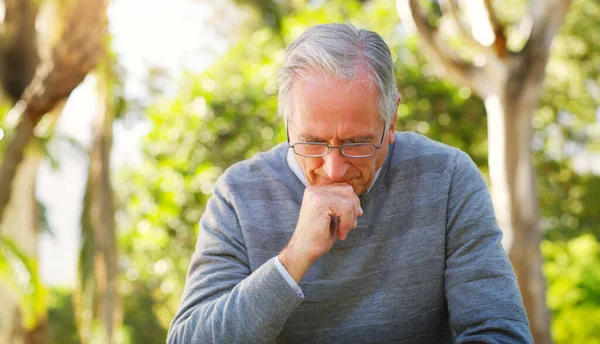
314, 234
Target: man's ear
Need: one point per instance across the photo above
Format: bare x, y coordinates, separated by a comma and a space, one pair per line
391, 134
392, 128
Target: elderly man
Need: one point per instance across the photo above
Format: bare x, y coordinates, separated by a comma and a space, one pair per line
349, 232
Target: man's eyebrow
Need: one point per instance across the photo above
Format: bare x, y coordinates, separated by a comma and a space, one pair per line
309, 137
364, 138
357, 138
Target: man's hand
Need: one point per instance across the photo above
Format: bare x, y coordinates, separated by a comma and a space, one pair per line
314, 234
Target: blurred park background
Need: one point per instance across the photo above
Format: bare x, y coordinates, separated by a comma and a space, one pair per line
116, 118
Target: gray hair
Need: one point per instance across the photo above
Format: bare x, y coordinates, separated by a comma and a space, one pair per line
340, 50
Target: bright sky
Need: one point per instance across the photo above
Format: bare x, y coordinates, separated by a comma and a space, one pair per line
170, 34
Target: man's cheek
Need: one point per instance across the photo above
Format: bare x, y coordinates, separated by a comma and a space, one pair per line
312, 166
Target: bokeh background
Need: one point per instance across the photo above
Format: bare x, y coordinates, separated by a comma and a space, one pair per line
147, 102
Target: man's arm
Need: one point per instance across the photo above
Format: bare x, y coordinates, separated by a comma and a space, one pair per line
484, 301
223, 301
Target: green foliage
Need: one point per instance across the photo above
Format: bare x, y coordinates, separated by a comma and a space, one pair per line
567, 128
569, 201
61, 316
195, 137
574, 289
20, 271
140, 320
4, 126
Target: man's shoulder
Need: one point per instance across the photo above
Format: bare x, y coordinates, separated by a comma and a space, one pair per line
417, 154
261, 166
409, 146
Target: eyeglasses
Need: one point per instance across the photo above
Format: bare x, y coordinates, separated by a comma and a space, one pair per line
350, 150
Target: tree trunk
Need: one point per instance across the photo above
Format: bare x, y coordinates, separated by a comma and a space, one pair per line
21, 225
18, 46
13, 156
514, 193
99, 304
75, 54
103, 218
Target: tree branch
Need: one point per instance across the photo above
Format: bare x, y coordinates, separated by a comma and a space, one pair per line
74, 55
18, 49
500, 40
547, 17
449, 6
461, 72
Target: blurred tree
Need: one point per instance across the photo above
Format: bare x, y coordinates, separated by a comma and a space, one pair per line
66, 54
567, 128
18, 60
142, 323
511, 84
18, 47
195, 136
73, 56
21, 225
99, 314
63, 327
271, 11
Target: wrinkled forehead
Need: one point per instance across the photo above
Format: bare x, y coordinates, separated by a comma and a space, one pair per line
320, 97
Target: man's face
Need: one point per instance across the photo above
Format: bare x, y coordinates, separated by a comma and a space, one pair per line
326, 109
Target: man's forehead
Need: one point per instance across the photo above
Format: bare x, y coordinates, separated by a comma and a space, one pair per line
347, 99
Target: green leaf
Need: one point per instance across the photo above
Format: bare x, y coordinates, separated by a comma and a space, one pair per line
20, 271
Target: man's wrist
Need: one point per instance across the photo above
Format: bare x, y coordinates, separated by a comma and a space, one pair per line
294, 265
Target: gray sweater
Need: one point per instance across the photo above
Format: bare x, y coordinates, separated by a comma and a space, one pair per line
424, 265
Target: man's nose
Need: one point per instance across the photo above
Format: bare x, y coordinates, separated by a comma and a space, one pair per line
335, 165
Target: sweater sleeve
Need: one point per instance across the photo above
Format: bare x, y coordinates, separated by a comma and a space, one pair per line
484, 301
223, 300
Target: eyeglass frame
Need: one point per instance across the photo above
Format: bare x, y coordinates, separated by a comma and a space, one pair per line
329, 147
